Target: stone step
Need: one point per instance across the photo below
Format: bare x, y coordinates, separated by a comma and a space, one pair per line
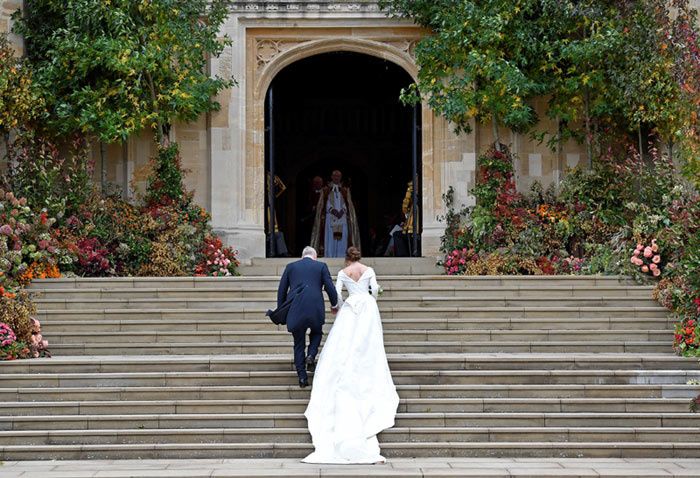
382, 265
401, 377
505, 313
395, 435
247, 348
605, 363
150, 336
86, 323
272, 280
297, 420
407, 405
530, 392
270, 292
190, 367
385, 303
273, 449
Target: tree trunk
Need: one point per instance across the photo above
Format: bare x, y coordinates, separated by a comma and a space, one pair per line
641, 145
496, 137
589, 133
103, 167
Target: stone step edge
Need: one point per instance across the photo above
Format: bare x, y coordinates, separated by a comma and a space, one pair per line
388, 445
436, 356
305, 431
422, 298
387, 343
397, 373
552, 278
280, 332
399, 415
220, 310
296, 401
399, 387
273, 289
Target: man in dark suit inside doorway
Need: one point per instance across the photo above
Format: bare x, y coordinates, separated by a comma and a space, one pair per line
307, 312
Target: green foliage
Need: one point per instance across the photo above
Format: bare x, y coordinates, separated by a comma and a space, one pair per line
608, 69
455, 236
476, 63
165, 184
113, 68
19, 100
57, 181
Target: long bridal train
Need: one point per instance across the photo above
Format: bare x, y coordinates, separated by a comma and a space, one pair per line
353, 396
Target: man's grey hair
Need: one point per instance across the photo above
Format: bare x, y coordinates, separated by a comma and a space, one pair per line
309, 252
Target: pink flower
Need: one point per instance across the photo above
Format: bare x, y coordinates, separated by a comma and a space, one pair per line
653, 267
633, 260
645, 269
656, 259
637, 252
654, 247
639, 247
648, 252
637, 261
657, 272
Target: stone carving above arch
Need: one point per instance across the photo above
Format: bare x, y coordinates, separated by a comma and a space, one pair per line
267, 49
294, 7
273, 55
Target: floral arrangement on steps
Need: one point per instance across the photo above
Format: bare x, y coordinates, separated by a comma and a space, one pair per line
13, 349
167, 235
647, 258
217, 260
624, 216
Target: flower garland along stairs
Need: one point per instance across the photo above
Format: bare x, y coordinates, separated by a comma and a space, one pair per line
485, 366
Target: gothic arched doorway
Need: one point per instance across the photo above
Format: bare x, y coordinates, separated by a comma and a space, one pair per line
341, 111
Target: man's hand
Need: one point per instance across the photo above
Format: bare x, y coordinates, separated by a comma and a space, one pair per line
334, 310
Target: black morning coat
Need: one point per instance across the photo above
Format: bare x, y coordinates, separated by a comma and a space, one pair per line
306, 278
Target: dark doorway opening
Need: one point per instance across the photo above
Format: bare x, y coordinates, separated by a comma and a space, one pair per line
341, 111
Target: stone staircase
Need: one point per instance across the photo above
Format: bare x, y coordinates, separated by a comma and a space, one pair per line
484, 366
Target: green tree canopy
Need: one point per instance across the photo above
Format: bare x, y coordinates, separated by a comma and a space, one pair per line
476, 64
111, 68
603, 66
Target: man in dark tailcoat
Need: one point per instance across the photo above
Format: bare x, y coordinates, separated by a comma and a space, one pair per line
308, 277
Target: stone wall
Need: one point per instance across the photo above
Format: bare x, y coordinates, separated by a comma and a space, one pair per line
7, 8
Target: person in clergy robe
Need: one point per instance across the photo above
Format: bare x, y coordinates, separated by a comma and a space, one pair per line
335, 227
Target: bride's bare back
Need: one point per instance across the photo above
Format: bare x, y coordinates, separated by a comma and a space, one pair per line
355, 270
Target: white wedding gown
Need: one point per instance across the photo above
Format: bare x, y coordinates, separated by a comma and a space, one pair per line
353, 396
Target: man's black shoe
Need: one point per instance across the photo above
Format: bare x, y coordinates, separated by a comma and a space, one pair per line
303, 382
310, 363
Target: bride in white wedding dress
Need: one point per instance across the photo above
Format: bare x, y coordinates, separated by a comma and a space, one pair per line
353, 396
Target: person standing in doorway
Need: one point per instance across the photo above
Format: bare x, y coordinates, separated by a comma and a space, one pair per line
335, 227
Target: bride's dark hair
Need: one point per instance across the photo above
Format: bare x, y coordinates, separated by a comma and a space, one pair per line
353, 254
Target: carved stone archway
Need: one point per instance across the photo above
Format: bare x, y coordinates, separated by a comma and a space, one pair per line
270, 50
